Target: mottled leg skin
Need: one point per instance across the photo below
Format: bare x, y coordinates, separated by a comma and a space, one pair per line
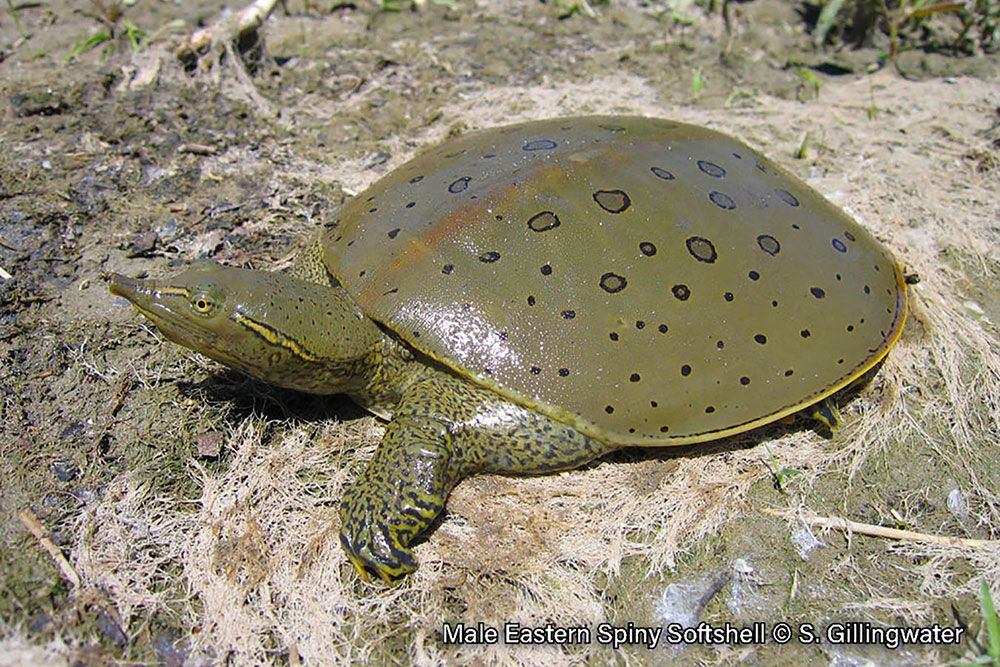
827, 413
445, 429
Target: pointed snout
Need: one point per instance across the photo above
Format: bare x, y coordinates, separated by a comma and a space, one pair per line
123, 286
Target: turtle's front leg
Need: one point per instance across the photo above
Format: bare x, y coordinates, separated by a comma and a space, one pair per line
397, 497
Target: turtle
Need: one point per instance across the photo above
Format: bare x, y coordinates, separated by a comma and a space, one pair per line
527, 298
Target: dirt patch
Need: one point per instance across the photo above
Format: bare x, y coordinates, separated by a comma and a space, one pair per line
199, 508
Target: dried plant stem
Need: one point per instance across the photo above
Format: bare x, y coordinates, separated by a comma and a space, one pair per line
880, 531
35, 527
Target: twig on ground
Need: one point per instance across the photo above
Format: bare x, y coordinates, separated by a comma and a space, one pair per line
880, 531
35, 527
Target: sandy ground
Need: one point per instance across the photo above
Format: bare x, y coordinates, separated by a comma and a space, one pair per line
186, 515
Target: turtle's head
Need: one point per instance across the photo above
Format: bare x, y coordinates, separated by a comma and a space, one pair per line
271, 326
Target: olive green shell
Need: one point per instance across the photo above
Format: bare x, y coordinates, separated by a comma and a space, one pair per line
648, 282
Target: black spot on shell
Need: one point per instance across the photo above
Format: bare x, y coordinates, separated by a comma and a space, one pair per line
639, 324
540, 145
839, 245
664, 429
710, 409
459, 185
568, 314
760, 338
805, 333
613, 336
535, 370
611, 128
531, 300
411, 204
681, 292
702, 249
744, 380
722, 200
685, 370
849, 236
543, 222
563, 372
850, 328
647, 248
728, 296
612, 201
372, 210
720, 344
817, 292
663, 328
635, 377
489, 257
416, 179
662, 173
654, 404
753, 275
447, 269
789, 373
786, 197
868, 290
612, 283
546, 269
393, 233
489, 156
769, 244
711, 168
609, 409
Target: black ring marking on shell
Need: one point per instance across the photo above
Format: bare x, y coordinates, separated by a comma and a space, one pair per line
710, 409
489, 257
787, 197
817, 292
546, 269
393, 233
722, 200
728, 296
685, 370
805, 333
639, 324
711, 168
531, 299
662, 173
753, 275
447, 269
635, 377
744, 380
720, 344
664, 429
789, 373
868, 290
612, 283
612, 201
647, 248
760, 338
613, 336
681, 292
839, 245
459, 185
663, 328
416, 179
543, 222
563, 372
849, 236
540, 145
702, 249
609, 409
568, 314
535, 370
769, 244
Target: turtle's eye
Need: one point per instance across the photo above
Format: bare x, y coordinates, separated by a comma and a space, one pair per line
202, 303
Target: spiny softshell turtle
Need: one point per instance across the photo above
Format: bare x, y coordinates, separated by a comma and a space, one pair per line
526, 298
